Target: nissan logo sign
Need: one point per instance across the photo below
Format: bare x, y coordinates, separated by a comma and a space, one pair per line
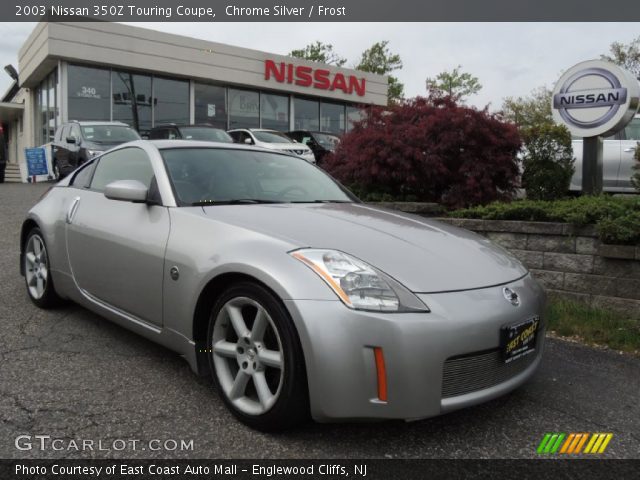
595, 98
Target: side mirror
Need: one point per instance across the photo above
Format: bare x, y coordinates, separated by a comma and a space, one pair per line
71, 139
126, 191
248, 141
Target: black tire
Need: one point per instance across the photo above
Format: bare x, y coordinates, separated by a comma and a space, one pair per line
291, 408
49, 297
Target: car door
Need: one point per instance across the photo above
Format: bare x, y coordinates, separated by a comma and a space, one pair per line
116, 248
61, 152
628, 147
74, 147
610, 162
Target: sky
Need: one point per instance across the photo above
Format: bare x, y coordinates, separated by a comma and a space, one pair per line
510, 59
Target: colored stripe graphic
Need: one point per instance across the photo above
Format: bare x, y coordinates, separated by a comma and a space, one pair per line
573, 443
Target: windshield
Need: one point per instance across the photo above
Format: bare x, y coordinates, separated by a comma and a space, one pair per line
271, 137
210, 176
206, 133
330, 142
109, 134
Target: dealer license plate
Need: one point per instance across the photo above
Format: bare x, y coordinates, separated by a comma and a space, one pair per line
519, 340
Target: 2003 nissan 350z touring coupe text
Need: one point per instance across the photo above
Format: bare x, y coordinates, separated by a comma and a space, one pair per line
297, 298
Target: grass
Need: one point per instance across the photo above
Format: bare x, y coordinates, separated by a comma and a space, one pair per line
593, 326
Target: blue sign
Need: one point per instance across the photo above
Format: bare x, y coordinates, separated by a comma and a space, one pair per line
36, 161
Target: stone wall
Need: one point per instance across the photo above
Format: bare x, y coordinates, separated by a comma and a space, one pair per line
570, 262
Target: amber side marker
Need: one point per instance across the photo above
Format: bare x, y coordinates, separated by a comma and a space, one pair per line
382, 374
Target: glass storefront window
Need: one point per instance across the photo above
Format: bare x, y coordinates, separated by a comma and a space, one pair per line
171, 101
52, 82
210, 105
132, 100
306, 114
332, 117
354, 114
274, 111
244, 109
89, 93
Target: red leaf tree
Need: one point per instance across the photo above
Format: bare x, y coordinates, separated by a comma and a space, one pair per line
429, 149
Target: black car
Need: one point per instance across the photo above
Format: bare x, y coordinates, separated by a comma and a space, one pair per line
76, 142
320, 143
204, 132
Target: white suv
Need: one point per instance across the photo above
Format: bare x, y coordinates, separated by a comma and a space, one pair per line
617, 160
273, 140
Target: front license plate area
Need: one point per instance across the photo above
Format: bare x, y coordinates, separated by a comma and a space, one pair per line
519, 340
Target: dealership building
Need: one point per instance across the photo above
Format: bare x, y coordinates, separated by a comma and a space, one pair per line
103, 71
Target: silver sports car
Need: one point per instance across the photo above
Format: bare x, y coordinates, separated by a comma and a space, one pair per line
297, 298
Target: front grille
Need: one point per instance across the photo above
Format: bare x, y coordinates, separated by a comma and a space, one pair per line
477, 371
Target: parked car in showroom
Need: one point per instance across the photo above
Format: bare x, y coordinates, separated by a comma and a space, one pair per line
265, 273
618, 158
320, 143
273, 140
203, 132
76, 142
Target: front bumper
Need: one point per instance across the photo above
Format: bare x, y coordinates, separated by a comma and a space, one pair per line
338, 346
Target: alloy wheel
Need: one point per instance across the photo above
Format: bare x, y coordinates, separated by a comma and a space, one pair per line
248, 355
36, 266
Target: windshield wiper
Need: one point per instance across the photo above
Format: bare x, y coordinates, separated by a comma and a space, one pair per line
235, 201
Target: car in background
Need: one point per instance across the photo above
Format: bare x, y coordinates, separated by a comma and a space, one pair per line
273, 140
320, 143
76, 142
618, 158
204, 132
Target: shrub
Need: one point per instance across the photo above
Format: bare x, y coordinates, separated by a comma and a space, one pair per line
635, 178
547, 161
429, 150
617, 219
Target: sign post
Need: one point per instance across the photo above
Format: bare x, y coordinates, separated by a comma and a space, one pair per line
595, 99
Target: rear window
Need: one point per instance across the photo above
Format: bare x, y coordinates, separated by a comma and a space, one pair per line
109, 134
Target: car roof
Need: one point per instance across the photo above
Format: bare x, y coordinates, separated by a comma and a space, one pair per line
164, 144
83, 122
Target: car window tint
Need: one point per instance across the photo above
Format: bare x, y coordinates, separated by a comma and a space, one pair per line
632, 131
75, 132
124, 164
82, 178
65, 134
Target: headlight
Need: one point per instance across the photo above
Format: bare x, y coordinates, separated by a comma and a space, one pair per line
359, 285
94, 153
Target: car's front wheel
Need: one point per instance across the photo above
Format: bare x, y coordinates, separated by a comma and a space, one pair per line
37, 271
256, 359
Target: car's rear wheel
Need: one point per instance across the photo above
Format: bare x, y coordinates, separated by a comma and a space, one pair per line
37, 272
256, 359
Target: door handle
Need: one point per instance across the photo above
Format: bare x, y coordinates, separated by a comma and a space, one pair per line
630, 149
72, 209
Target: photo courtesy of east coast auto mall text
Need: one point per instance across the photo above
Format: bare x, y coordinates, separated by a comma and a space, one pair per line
328, 239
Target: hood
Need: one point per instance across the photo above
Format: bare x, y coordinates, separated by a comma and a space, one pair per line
285, 146
424, 255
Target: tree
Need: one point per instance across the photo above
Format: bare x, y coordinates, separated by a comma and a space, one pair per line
379, 59
455, 84
319, 52
429, 149
635, 177
625, 55
530, 111
548, 161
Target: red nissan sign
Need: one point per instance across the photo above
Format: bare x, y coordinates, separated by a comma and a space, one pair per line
319, 78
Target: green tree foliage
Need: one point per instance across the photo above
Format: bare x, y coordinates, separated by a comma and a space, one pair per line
526, 112
547, 160
380, 60
319, 52
635, 177
455, 84
625, 55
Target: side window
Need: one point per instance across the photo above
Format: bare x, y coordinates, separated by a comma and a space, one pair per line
75, 132
172, 134
65, 134
235, 136
125, 164
157, 133
82, 178
632, 131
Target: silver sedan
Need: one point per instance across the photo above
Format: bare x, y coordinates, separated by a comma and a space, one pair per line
298, 299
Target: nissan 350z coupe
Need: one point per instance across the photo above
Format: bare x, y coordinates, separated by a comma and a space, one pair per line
294, 296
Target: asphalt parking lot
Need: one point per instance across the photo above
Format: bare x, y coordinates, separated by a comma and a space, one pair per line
69, 374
